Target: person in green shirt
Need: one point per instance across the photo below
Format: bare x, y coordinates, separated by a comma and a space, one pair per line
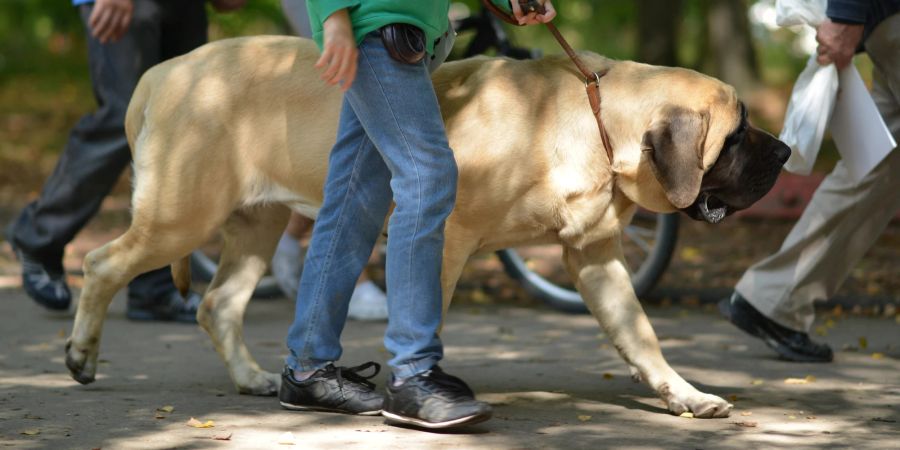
391, 146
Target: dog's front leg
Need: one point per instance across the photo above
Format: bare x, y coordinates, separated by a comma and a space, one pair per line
602, 279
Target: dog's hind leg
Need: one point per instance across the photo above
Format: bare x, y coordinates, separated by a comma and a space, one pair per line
250, 237
108, 269
602, 279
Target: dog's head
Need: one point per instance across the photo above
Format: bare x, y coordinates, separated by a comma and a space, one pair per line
709, 171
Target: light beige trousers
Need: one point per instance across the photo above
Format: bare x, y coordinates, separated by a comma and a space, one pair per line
843, 219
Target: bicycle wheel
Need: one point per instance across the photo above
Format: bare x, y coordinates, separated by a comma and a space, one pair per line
648, 243
204, 265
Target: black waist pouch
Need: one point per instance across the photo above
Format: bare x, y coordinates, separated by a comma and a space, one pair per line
404, 42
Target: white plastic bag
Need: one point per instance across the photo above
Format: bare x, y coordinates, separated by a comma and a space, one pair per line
808, 113
800, 12
812, 99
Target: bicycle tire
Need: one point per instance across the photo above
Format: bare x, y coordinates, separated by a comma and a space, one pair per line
203, 268
562, 298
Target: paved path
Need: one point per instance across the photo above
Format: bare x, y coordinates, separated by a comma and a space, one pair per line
554, 381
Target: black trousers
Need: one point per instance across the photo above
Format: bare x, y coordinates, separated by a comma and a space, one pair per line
97, 151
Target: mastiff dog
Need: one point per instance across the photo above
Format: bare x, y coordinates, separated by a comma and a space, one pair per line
233, 136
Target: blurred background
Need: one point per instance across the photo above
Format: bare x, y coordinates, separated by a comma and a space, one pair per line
44, 89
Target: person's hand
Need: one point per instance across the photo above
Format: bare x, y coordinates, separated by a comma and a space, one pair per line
532, 18
228, 5
110, 19
837, 43
339, 52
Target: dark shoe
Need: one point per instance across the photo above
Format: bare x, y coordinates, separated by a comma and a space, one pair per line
169, 308
434, 399
333, 389
44, 283
791, 345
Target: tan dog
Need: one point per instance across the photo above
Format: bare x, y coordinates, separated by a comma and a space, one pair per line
231, 135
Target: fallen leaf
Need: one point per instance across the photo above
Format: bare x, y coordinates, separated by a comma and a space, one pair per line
33, 417
821, 330
830, 323
811, 417
687, 415
863, 342
166, 409
747, 413
222, 437
31, 432
159, 416
62, 333
792, 417
198, 424
584, 418
733, 397
808, 379
757, 382
877, 355
691, 255
287, 439
607, 376
745, 423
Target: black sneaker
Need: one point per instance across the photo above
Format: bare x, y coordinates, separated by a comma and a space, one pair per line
333, 389
168, 308
434, 399
789, 344
44, 283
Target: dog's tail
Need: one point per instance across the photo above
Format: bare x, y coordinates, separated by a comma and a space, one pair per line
181, 274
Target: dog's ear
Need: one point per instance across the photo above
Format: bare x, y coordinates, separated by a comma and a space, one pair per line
675, 143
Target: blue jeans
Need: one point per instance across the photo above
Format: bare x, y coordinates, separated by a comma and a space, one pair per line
391, 144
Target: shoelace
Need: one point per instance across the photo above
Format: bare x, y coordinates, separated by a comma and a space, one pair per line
354, 375
446, 385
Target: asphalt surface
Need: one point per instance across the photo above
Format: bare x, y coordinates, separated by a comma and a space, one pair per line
553, 379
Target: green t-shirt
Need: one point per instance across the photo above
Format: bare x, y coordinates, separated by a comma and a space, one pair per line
370, 15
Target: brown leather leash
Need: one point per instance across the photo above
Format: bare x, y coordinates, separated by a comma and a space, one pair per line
591, 79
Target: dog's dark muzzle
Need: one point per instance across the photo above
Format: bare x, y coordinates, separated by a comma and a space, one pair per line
743, 174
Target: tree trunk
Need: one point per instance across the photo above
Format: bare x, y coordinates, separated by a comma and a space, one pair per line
728, 52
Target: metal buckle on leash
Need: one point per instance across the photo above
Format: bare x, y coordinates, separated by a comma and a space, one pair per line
596, 80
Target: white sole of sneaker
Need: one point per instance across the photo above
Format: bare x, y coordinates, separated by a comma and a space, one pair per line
328, 410
462, 421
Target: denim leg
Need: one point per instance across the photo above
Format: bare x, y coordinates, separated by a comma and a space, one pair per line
357, 199
390, 129
398, 109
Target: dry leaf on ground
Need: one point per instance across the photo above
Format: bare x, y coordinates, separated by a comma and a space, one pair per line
747, 413
687, 415
166, 409
607, 376
31, 432
877, 355
198, 424
808, 379
584, 417
757, 382
222, 437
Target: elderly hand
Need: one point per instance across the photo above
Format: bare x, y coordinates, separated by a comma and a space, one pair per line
837, 43
339, 52
110, 19
532, 17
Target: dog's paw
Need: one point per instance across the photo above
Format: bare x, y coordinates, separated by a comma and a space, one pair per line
261, 383
82, 364
704, 406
